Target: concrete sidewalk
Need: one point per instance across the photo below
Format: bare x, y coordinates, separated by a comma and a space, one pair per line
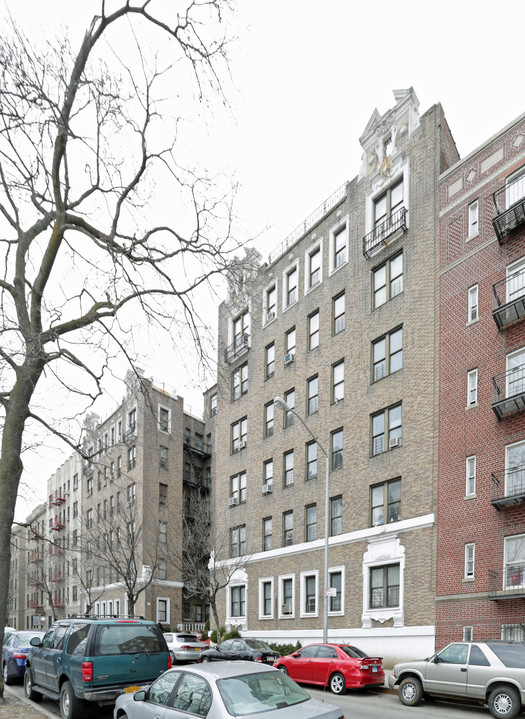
13, 707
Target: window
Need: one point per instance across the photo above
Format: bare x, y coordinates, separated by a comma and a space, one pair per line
385, 208
163, 457
89, 487
336, 582
514, 469
387, 353
162, 571
338, 381
288, 468
164, 419
515, 374
267, 534
339, 247
336, 516
271, 303
514, 562
268, 419
310, 523
266, 598
385, 500
286, 597
163, 532
470, 483
239, 434
473, 211
311, 460
472, 384
187, 471
213, 405
238, 601
240, 381
163, 610
119, 431
268, 471
515, 281
289, 416
515, 189
132, 420
289, 345
473, 303
309, 594
238, 541
75, 482
75, 509
132, 456
119, 466
132, 494
387, 281
313, 330
469, 560
314, 267
89, 518
384, 586
270, 361
238, 488
241, 330
338, 306
337, 449
468, 636
288, 528
313, 395
291, 280
386, 429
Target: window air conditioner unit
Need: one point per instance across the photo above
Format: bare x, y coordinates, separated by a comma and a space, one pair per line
289, 358
286, 609
267, 488
394, 442
270, 316
242, 444
233, 502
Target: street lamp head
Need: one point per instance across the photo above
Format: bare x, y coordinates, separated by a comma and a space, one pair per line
279, 401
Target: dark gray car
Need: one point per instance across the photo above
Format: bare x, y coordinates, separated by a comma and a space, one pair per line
489, 672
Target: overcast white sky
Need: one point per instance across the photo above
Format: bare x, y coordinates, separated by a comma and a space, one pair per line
306, 78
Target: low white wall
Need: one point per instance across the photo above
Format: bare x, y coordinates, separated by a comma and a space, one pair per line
394, 644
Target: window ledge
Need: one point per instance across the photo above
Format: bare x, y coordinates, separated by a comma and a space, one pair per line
468, 580
472, 322
472, 237
471, 406
470, 496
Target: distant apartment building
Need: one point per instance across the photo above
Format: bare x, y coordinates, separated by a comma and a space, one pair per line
38, 597
341, 324
481, 530
16, 599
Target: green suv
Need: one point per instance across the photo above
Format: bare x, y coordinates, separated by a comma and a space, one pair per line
94, 659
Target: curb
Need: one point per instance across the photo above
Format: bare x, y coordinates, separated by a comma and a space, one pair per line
28, 703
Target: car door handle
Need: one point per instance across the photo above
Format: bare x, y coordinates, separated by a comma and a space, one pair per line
463, 669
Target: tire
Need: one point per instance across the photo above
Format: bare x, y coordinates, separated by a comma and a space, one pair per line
410, 691
205, 659
6, 676
71, 707
504, 702
28, 687
172, 655
283, 669
337, 683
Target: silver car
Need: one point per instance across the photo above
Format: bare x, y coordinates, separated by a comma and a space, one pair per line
184, 647
489, 672
220, 690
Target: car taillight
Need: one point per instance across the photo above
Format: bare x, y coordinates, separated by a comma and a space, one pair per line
170, 663
19, 655
258, 658
87, 671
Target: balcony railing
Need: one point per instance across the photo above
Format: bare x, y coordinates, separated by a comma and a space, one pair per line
57, 497
508, 583
509, 488
385, 232
508, 392
508, 304
238, 347
56, 523
509, 208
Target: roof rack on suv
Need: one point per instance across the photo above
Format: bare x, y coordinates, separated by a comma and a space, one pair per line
104, 616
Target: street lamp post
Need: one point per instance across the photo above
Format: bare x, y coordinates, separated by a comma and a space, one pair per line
279, 401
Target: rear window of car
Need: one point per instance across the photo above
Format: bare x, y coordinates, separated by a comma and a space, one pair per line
187, 638
354, 652
512, 655
261, 692
257, 644
128, 639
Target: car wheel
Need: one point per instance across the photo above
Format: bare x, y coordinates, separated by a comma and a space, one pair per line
283, 669
172, 655
5, 674
205, 659
337, 683
504, 702
71, 707
28, 687
410, 691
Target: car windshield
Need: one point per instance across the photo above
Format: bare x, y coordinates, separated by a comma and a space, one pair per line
23, 639
261, 692
257, 644
354, 652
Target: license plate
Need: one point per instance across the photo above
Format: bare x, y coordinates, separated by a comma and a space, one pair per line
197, 649
374, 669
131, 690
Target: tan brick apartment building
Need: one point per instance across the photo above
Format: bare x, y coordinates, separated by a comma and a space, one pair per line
481, 529
341, 323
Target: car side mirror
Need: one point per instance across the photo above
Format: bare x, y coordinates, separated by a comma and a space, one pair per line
35, 642
139, 696
295, 654
435, 659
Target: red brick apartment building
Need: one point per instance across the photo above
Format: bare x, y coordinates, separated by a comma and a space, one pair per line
480, 587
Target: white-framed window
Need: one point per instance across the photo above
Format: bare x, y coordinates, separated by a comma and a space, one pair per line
468, 634
514, 469
237, 596
470, 476
515, 375
470, 553
473, 310
313, 270
268, 419
387, 281
515, 280
241, 326
338, 311
132, 420
238, 541
163, 610
338, 245
336, 448
336, 580
514, 553
288, 468
313, 330
309, 594
266, 598
238, 487
213, 405
270, 304
289, 417
311, 460
291, 285
387, 354
473, 218
286, 596
240, 381
384, 586
288, 528
387, 429
270, 361
290, 342
310, 523
164, 419
338, 381
385, 502
515, 187
239, 435
336, 516
267, 534
312, 386
472, 387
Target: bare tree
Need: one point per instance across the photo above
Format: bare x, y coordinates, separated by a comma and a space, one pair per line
86, 246
204, 556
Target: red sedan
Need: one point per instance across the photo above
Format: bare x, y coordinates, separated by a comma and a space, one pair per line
339, 666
